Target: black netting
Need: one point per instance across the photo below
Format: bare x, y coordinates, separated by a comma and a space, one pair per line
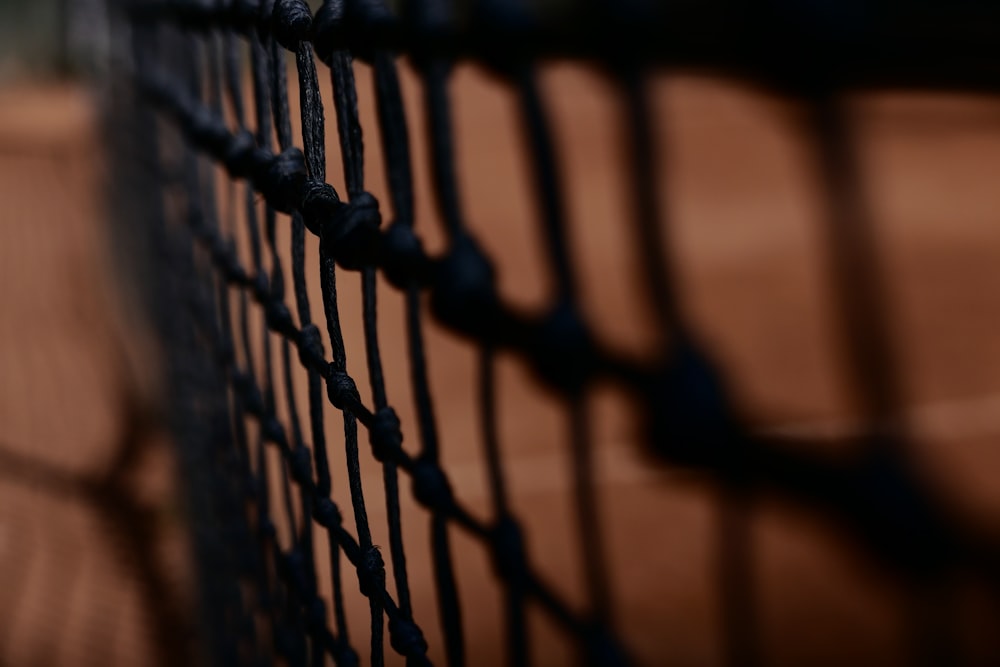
215, 75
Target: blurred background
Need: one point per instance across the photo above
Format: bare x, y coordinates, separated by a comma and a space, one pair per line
94, 553
90, 534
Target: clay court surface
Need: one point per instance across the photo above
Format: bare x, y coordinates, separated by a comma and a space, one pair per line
749, 237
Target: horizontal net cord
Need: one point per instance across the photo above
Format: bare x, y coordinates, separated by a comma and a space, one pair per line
884, 47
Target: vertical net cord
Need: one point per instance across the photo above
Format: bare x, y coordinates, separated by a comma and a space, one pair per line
312, 135
265, 526
288, 635
352, 155
395, 138
223, 251
201, 303
351, 148
265, 59
650, 241
301, 561
343, 394
735, 550
291, 639
395, 142
141, 43
218, 330
435, 78
285, 635
435, 74
860, 299
859, 292
584, 487
548, 189
369, 553
233, 88
205, 56
313, 143
299, 464
735, 562
934, 620
446, 196
515, 599
231, 63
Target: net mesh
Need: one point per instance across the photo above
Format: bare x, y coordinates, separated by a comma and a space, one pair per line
239, 325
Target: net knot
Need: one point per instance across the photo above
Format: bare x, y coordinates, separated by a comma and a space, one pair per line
688, 416
301, 465
371, 572
403, 257
385, 435
328, 29
353, 24
310, 346
253, 399
294, 565
350, 234
346, 656
315, 614
283, 180
562, 349
273, 430
341, 390
886, 498
219, 249
319, 203
292, 22
326, 513
224, 257
261, 285
430, 486
406, 638
279, 318
268, 529
464, 295
238, 155
603, 648
208, 130
509, 557
247, 388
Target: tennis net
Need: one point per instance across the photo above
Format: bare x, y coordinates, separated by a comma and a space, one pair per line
214, 97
